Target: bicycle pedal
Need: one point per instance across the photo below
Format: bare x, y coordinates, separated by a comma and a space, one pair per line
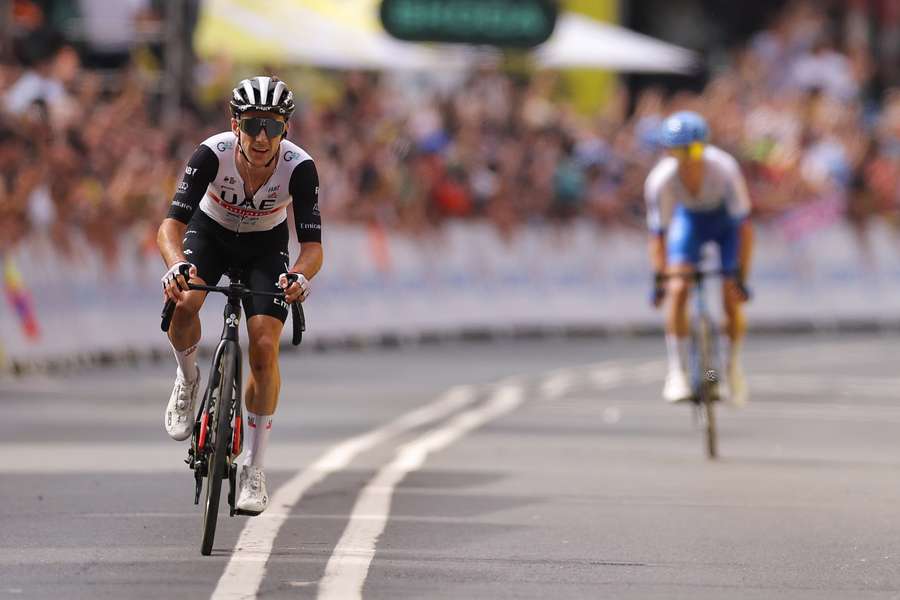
246, 513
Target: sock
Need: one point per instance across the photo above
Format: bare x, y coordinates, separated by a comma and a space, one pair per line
677, 348
732, 351
256, 439
187, 362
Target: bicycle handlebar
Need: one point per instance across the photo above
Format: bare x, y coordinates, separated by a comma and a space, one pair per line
298, 318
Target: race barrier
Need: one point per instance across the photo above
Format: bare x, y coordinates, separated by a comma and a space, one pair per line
466, 276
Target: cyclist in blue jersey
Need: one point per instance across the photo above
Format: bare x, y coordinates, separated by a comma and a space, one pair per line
695, 195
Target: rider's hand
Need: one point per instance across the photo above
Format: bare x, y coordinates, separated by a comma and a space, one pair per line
294, 290
659, 290
174, 283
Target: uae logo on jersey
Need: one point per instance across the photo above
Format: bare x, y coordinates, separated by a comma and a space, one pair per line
316, 208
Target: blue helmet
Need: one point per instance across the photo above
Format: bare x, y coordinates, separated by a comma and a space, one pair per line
683, 129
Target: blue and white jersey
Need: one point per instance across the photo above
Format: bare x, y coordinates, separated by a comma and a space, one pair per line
723, 186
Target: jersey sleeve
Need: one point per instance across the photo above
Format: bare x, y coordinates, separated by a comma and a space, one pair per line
659, 205
304, 188
201, 169
738, 200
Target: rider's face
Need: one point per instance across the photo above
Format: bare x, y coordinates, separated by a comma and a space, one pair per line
688, 154
259, 148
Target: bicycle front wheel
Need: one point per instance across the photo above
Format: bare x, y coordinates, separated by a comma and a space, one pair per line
219, 437
707, 383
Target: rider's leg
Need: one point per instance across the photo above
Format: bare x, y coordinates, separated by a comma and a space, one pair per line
735, 323
184, 334
677, 324
732, 246
184, 331
263, 384
682, 254
203, 251
735, 327
261, 399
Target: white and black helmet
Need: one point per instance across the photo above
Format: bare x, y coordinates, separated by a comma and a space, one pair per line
268, 94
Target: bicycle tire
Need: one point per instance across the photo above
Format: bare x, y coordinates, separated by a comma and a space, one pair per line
706, 383
221, 440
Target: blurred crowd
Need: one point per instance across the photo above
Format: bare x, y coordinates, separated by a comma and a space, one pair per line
807, 105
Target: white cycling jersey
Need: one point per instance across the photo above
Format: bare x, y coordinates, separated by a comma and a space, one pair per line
225, 201
723, 185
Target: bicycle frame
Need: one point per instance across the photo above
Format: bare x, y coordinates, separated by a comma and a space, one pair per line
219, 417
704, 355
231, 337
704, 363
701, 311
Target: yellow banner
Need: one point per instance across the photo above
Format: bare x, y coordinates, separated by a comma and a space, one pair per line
591, 88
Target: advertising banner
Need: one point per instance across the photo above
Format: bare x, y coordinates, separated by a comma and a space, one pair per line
465, 276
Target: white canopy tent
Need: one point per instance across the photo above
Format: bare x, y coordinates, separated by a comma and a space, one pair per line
348, 35
580, 41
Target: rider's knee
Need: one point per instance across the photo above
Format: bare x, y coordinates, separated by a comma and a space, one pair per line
731, 297
678, 289
263, 353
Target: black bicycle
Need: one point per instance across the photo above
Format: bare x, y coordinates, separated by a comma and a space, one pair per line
217, 438
704, 361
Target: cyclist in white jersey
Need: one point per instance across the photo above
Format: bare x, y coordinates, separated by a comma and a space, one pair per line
242, 181
697, 195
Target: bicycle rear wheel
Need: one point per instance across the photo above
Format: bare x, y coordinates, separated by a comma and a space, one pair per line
220, 438
706, 384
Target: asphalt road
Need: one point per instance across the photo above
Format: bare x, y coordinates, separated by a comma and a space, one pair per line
531, 469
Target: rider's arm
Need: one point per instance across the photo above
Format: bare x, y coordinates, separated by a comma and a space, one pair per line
658, 251
199, 172
304, 188
739, 208
659, 211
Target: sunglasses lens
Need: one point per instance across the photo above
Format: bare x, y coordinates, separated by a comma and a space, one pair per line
252, 127
274, 128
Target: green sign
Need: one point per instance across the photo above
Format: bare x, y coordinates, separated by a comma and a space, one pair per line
506, 23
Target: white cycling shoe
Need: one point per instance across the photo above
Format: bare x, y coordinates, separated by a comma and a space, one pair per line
179, 418
253, 497
677, 387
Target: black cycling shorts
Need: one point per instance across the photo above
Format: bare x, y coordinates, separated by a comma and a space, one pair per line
261, 256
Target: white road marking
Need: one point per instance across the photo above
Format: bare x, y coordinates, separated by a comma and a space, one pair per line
604, 377
557, 384
612, 415
348, 566
245, 569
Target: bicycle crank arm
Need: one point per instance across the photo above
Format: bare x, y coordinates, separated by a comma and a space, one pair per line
198, 486
232, 477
